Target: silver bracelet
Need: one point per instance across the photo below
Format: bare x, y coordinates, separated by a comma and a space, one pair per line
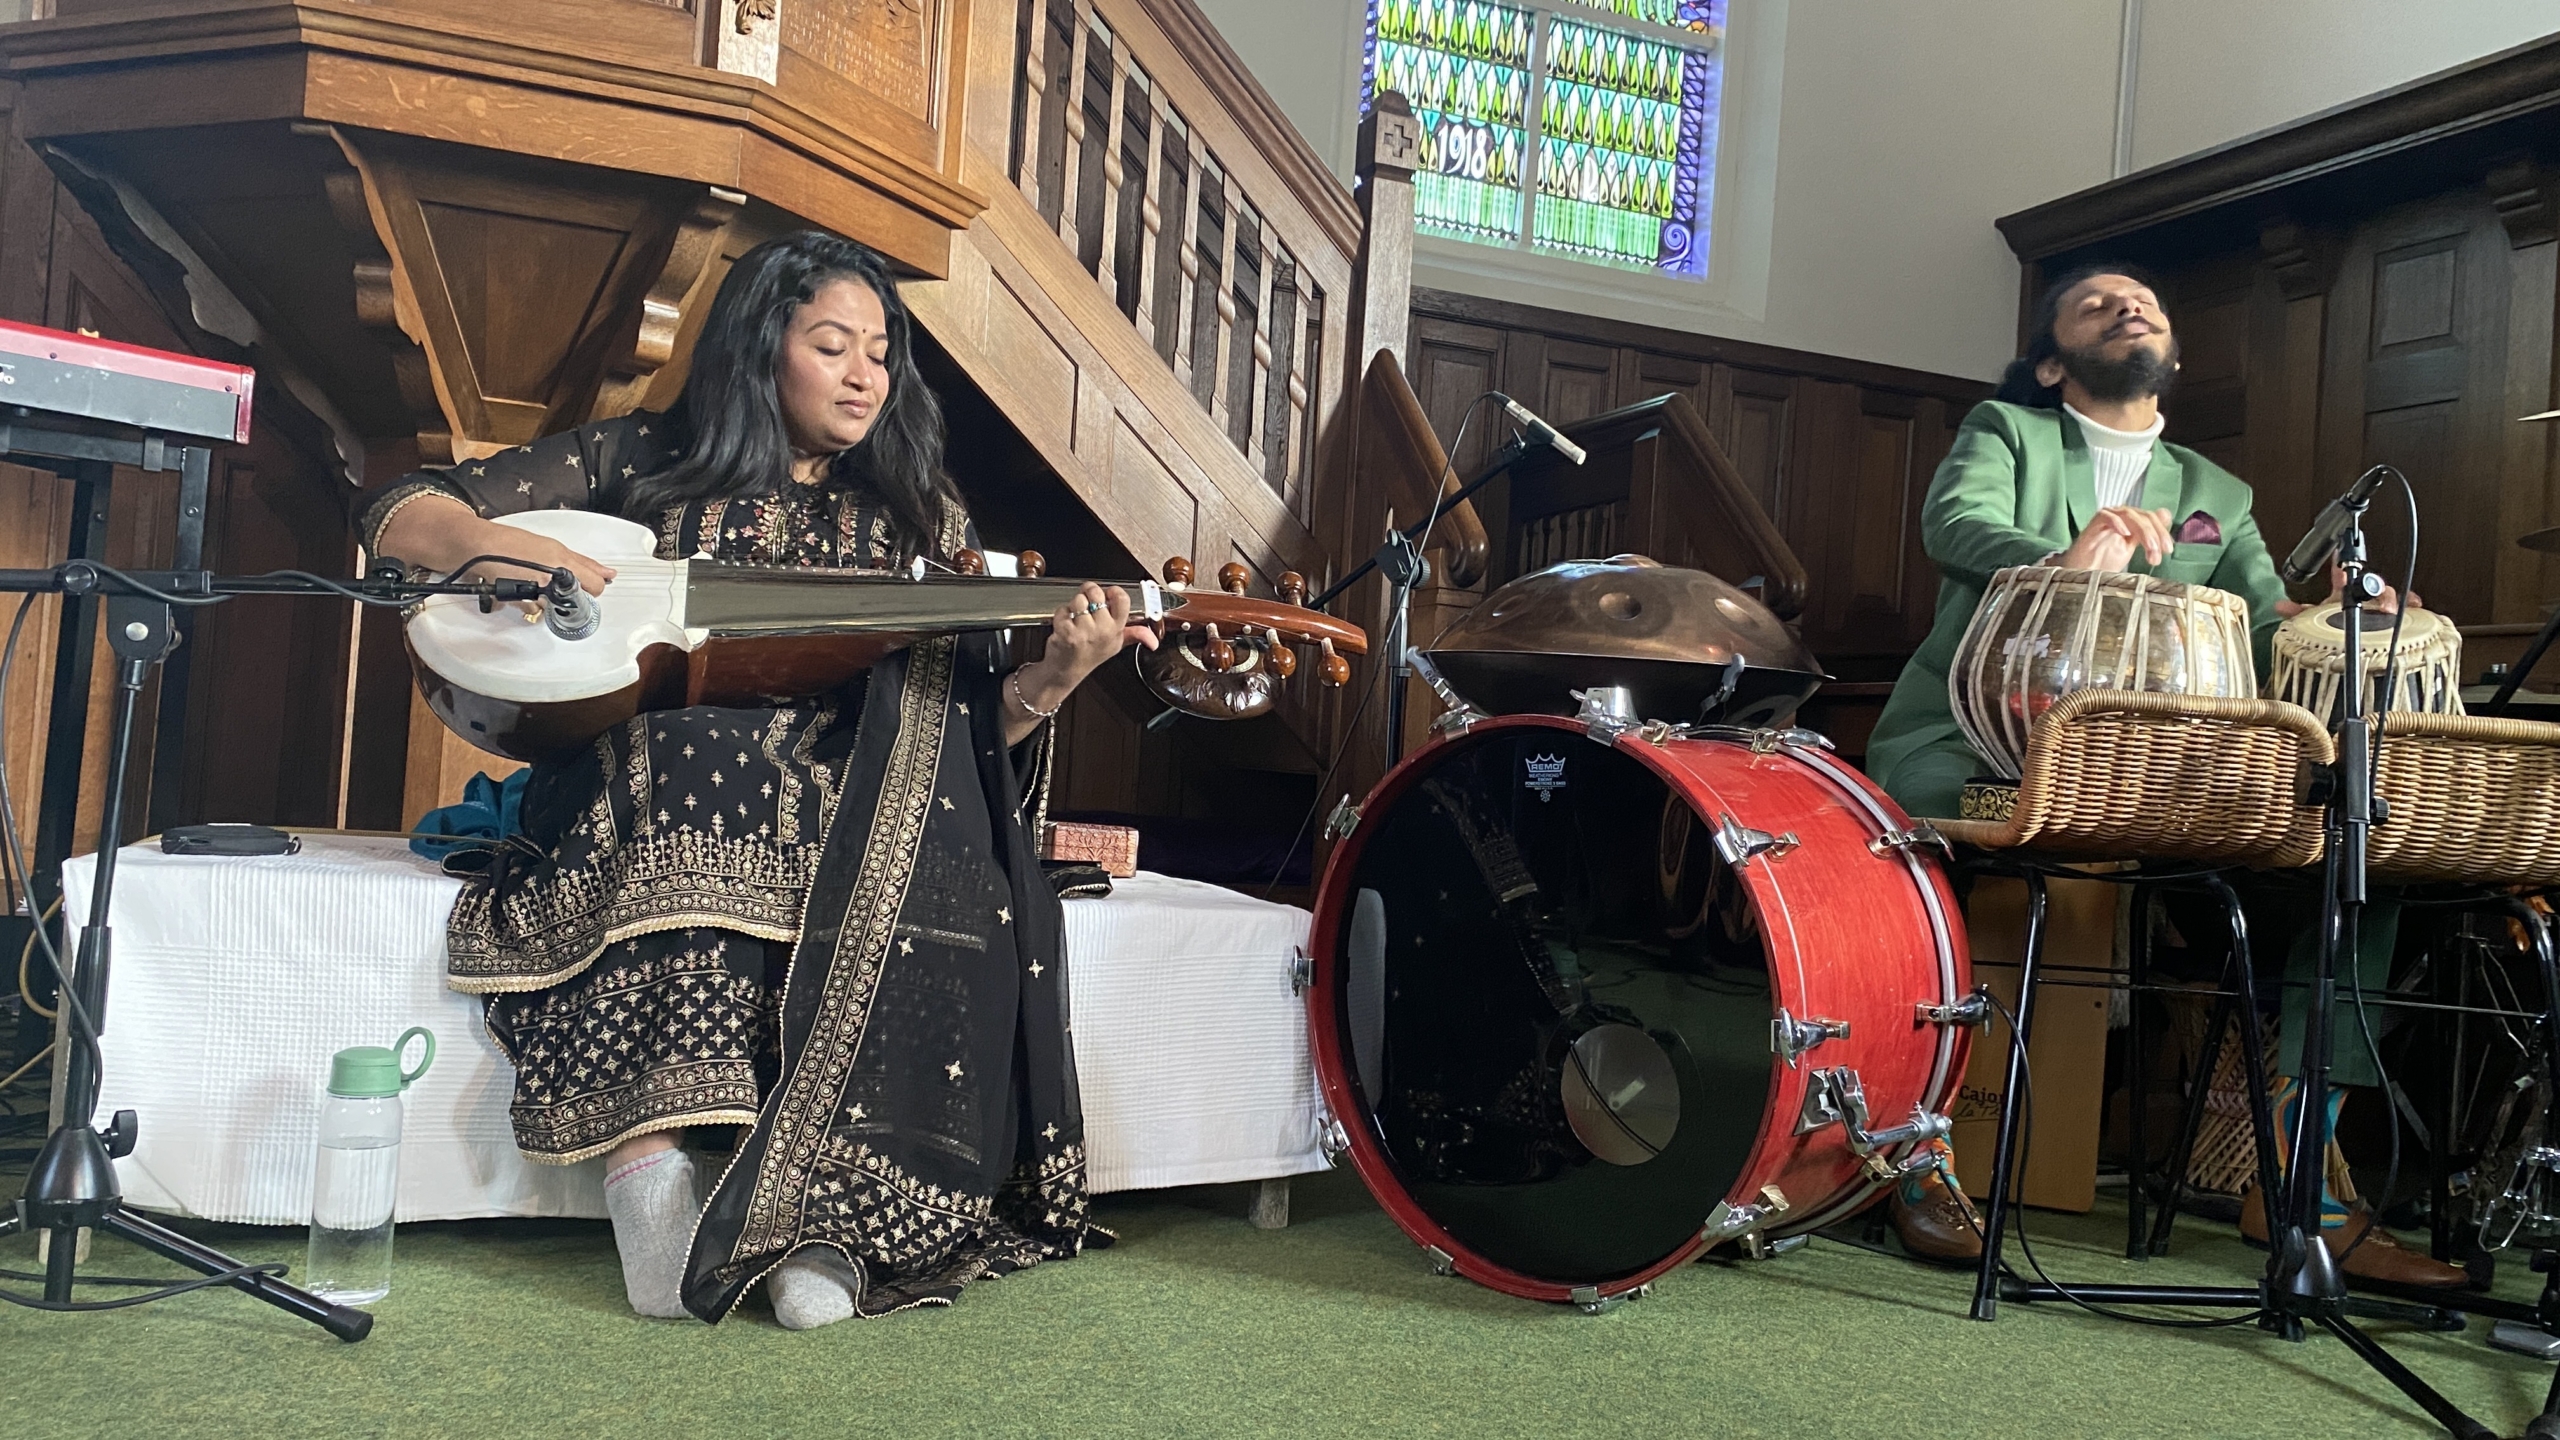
1013, 683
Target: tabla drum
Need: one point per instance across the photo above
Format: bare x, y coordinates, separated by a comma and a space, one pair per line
2308, 659
2042, 632
1585, 1010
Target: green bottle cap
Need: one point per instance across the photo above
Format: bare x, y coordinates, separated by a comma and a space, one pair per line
372, 1071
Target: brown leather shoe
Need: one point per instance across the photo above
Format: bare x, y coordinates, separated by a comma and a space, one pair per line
1939, 1225
2380, 1257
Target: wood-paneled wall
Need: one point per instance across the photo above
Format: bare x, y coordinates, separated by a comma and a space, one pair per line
266, 699
2374, 285
1838, 452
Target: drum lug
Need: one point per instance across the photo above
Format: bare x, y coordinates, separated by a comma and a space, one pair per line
1729, 1221
1441, 1264
1457, 716
1589, 1300
1302, 970
1738, 843
1790, 1037
1608, 711
1921, 835
1837, 1097
1974, 1009
1344, 819
1332, 1139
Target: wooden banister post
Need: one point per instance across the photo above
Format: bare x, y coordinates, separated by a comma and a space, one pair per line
1390, 143
1071, 159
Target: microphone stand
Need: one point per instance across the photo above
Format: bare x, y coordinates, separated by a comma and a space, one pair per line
73, 1183
2303, 1283
1400, 561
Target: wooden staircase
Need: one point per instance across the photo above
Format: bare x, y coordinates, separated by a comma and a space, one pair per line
442, 227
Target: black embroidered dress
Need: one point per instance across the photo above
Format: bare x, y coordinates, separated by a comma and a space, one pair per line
822, 920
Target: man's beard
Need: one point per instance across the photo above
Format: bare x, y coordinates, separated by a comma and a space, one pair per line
2141, 373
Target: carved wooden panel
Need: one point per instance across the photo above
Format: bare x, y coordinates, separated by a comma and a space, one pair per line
888, 47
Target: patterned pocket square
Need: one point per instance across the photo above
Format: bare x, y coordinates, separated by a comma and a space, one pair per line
2198, 529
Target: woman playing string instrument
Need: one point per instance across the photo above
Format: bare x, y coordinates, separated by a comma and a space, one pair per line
821, 920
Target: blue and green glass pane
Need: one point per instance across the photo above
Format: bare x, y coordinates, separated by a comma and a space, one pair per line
1463, 64
1626, 160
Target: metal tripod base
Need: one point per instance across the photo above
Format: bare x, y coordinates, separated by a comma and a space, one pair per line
73, 1186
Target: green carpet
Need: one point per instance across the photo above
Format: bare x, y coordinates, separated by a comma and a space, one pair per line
1196, 1324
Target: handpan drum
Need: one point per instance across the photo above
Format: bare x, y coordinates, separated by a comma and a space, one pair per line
2043, 632
1586, 1009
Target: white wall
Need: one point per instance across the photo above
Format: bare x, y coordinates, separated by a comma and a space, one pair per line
2212, 71
1903, 131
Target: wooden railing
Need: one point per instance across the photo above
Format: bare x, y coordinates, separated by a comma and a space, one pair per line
1230, 289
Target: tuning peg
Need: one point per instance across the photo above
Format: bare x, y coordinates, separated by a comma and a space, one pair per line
1332, 669
1219, 654
1231, 578
969, 562
1281, 661
1293, 588
1177, 571
1031, 564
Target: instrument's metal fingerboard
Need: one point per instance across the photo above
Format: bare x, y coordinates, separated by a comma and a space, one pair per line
737, 600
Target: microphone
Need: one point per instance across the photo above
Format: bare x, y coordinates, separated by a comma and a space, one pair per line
1540, 431
2322, 538
568, 611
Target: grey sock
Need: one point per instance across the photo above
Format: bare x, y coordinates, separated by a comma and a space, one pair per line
806, 1294
653, 1207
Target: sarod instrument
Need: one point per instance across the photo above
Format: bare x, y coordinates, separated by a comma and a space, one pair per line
1585, 1010
668, 633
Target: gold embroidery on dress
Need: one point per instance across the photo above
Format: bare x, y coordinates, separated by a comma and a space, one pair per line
811, 1091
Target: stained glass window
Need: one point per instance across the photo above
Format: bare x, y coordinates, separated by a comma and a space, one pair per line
1573, 127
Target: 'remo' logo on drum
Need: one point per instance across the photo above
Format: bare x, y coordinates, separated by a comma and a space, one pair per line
1546, 774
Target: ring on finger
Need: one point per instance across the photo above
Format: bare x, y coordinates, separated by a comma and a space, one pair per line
1093, 607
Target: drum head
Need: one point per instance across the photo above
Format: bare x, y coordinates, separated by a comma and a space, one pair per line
1551, 1002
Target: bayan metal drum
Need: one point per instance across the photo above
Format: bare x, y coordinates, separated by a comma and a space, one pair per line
2308, 658
2042, 632
1587, 1009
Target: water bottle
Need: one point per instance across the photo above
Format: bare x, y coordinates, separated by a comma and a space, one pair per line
357, 1179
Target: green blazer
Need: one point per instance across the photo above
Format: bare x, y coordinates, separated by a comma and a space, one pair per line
2017, 486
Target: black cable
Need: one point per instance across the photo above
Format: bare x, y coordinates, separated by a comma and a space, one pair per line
16, 878
2018, 1212
273, 1268
148, 592
1378, 673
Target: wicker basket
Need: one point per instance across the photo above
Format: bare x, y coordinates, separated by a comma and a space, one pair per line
2122, 775
2473, 798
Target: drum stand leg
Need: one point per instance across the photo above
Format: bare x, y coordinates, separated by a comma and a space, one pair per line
2137, 1081
1986, 1284
2182, 1152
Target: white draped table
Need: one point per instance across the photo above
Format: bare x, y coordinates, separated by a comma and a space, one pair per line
235, 979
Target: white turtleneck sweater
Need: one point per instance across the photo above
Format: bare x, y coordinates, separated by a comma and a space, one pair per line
2120, 457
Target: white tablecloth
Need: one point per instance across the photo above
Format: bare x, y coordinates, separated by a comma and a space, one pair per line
234, 980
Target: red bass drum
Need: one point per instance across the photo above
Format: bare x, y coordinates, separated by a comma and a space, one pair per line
1586, 1010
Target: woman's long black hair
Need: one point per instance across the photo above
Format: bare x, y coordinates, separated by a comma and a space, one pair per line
734, 441
2018, 383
